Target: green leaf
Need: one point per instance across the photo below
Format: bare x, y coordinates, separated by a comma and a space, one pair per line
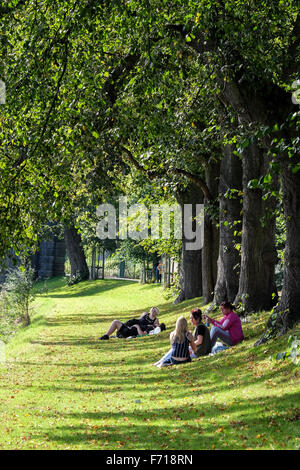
253, 184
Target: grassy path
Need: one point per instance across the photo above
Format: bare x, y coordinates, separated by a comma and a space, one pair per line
63, 389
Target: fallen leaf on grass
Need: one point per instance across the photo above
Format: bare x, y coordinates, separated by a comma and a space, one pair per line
221, 429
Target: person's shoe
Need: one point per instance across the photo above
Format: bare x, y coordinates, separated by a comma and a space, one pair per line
104, 337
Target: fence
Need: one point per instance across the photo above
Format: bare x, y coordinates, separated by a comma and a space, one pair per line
101, 267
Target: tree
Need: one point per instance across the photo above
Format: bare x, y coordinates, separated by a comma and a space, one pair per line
161, 91
253, 82
230, 212
79, 267
17, 294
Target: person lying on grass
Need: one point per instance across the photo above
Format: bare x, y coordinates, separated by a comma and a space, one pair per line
134, 327
228, 329
181, 338
201, 338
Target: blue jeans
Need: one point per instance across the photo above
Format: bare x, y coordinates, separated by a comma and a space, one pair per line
167, 358
218, 333
218, 348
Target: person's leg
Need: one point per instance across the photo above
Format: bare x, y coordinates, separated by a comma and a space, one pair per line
165, 358
192, 354
116, 325
218, 333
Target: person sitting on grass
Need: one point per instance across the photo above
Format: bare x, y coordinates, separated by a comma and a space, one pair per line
228, 329
134, 327
201, 338
181, 338
201, 335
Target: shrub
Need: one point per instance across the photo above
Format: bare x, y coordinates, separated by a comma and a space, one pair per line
292, 352
15, 298
74, 279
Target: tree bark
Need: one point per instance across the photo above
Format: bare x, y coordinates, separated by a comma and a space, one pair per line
287, 314
76, 254
230, 189
268, 104
210, 249
257, 289
191, 261
290, 299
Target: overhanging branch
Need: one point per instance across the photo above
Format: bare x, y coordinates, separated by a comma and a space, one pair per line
152, 174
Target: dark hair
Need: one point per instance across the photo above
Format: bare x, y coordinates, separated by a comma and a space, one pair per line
227, 305
197, 314
162, 327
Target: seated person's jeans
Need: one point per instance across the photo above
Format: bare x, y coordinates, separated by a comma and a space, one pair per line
218, 333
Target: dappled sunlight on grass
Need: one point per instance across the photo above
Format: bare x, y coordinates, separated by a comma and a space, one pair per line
61, 388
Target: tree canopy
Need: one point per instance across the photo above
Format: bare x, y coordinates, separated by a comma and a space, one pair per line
100, 90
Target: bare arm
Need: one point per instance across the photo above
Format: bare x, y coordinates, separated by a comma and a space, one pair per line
199, 340
139, 330
193, 344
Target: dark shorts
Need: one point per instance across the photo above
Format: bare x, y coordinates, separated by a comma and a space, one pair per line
125, 331
173, 362
130, 323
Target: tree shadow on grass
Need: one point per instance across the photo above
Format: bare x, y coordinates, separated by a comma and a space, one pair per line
97, 287
78, 319
75, 341
89, 288
194, 426
169, 308
199, 377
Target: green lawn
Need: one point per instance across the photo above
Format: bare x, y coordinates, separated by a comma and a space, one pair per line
61, 388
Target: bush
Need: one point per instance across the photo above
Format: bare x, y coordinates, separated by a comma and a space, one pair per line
15, 298
74, 279
292, 352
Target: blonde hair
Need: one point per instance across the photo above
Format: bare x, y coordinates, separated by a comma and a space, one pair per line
154, 310
180, 331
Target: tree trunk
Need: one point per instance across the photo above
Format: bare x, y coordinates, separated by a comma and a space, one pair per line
257, 289
191, 261
230, 190
290, 298
93, 264
210, 249
287, 313
190, 275
79, 267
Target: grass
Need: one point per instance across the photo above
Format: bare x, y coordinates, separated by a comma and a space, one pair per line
61, 388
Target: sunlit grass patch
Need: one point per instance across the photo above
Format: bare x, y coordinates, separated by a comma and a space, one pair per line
61, 388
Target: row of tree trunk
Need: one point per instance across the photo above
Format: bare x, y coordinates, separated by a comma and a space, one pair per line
244, 271
237, 262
